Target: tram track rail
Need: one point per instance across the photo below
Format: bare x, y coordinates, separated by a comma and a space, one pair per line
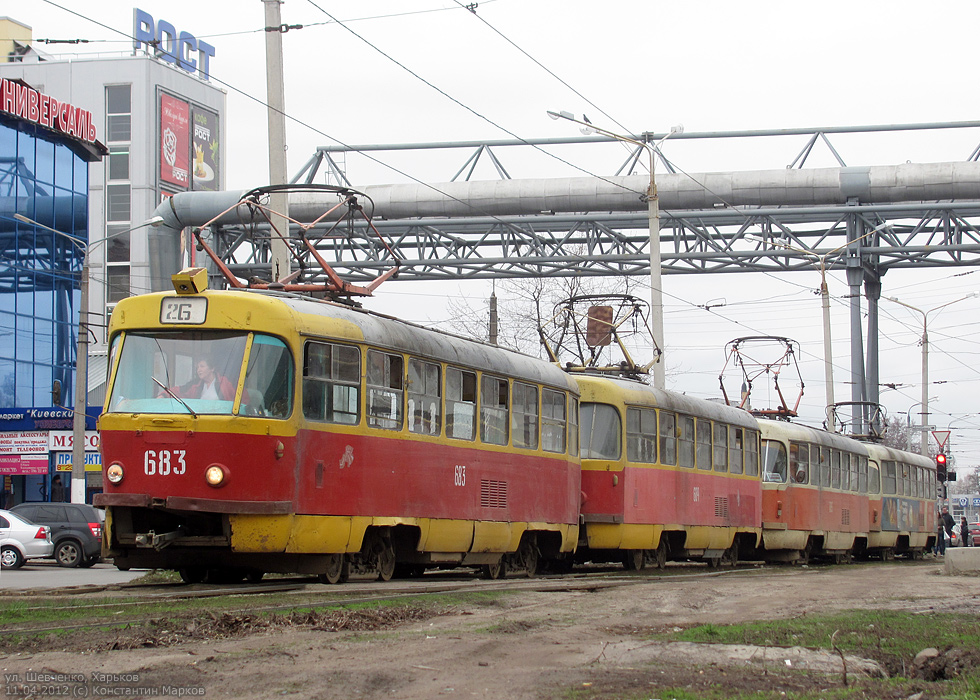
105, 615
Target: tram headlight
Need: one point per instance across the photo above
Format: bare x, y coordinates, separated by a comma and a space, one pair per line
215, 475
114, 473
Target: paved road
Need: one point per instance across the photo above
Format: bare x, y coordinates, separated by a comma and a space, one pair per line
36, 575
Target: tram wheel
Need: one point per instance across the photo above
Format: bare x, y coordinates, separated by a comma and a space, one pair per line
527, 557
493, 572
730, 556
193, 574
338, 569
633, 559
661, 555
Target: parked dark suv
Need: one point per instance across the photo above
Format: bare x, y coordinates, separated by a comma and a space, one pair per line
76, 530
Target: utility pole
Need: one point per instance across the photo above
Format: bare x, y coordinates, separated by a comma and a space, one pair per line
81, 391
276, 99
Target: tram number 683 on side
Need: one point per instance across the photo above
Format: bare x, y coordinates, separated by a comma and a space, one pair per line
460, 475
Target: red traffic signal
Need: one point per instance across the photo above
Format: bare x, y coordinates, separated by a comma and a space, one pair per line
941, 467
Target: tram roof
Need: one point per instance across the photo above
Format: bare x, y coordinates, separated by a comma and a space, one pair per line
635, 392
330, 320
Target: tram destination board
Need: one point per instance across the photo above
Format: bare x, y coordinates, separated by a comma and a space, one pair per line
190, 310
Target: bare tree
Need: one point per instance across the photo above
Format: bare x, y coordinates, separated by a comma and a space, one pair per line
524, 306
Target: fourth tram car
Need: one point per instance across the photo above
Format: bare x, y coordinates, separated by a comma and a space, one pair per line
247, 432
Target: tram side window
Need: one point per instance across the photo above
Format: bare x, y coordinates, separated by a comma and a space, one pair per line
828, 457
799, 457
460, 404
601, 431
269, 379
719, 452
424, 397
735, 450
573, 431
385, 378
685, 440
906, 485
704, 444
493, 410
889, 481
331, 383
668, 438
862, 463
874, 478
552, 421
641, 435
524, 416
855, 473
751, 453
774, 461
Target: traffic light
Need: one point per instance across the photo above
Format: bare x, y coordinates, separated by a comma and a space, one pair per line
941, 467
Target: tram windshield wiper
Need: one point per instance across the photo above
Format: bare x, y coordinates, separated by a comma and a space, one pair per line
173, 395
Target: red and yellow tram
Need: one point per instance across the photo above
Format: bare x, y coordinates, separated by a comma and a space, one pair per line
665, 476
822, 496
336, 440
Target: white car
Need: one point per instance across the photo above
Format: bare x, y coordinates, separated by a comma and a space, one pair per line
21, 540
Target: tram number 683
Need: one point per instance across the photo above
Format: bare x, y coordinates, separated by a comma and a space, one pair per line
460, 475
164, 462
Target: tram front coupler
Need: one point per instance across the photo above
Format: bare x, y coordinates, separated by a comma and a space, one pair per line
152, 540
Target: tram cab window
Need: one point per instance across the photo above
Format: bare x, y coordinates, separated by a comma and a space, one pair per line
719, 450
424, 397
177, 372
641, 435
460, 404
668, 438
332, 383
736, 449
799, 457
385, 377
601, 432
553, 420
268, 379
494, 406
774, 463
751, 453
524, 416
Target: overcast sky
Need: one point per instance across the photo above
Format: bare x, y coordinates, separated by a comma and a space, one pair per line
429, 70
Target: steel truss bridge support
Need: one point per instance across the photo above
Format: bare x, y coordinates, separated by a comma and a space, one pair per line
710, 223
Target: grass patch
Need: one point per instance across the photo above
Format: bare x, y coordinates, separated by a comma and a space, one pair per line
884, 632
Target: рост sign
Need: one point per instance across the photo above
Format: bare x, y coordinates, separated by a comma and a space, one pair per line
163, 39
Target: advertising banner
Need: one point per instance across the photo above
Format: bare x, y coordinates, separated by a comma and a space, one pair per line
24, 442
174, 141
206, 150
14, 465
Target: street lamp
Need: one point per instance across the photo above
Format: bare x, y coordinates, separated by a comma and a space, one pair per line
924, 447
653, 211
828, 355
81, 353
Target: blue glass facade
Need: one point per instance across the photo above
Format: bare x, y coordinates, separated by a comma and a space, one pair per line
45, 179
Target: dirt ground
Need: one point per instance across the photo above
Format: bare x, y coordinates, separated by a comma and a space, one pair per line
536, 646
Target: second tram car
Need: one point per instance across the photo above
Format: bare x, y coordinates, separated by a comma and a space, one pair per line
665, 476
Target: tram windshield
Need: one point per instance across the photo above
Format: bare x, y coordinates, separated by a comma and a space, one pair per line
773, 461
198, 372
